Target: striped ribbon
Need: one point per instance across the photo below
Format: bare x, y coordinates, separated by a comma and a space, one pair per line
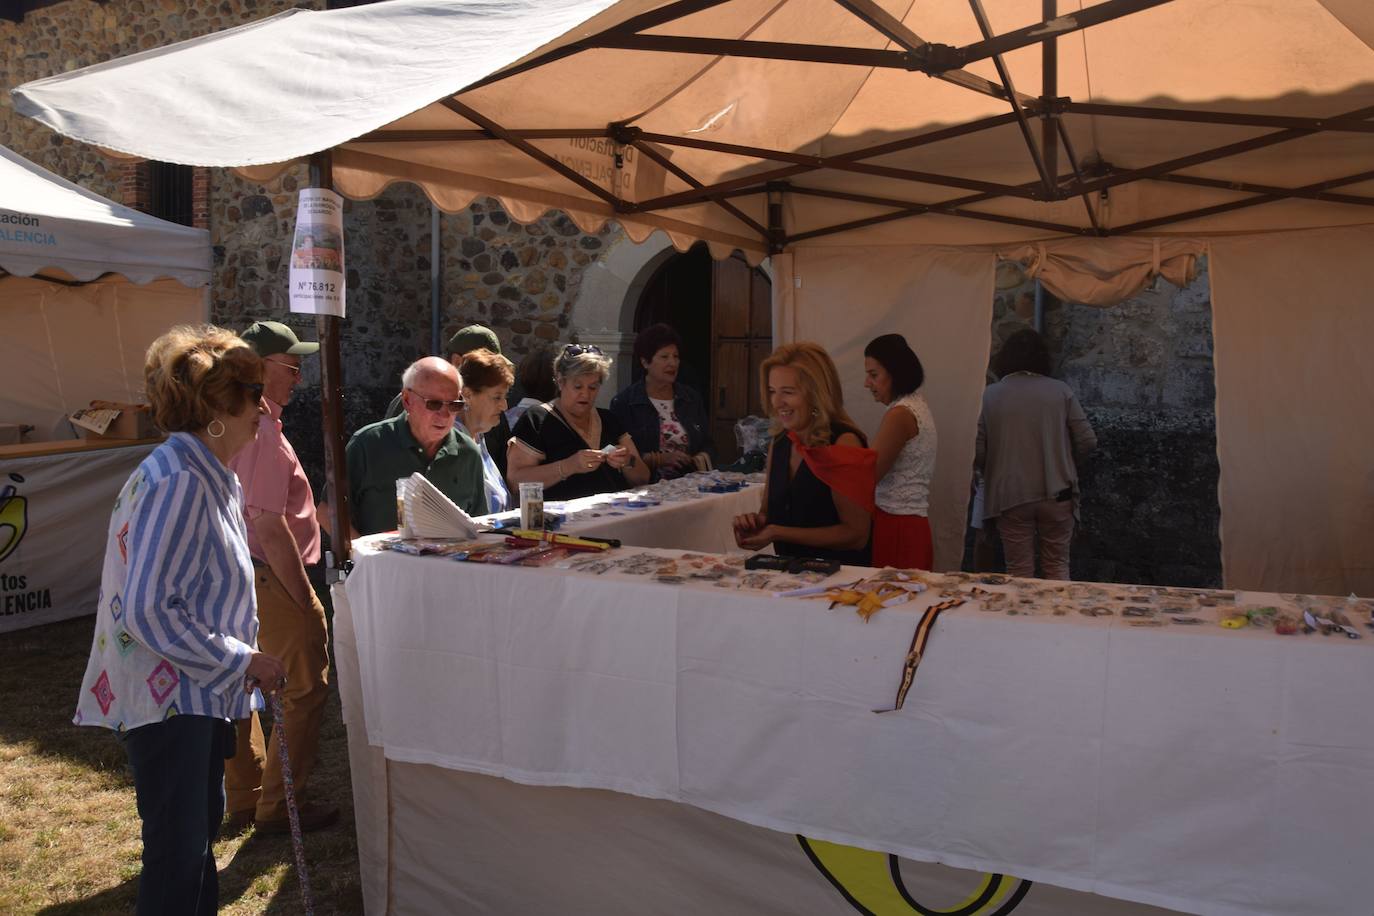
292, 813
918, 648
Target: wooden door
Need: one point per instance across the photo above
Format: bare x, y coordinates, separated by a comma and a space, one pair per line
741, 338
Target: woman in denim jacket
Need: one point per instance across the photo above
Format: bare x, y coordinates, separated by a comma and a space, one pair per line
666, 419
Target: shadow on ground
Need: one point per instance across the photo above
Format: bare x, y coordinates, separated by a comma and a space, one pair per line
40, 678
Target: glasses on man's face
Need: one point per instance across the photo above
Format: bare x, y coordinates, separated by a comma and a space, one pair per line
434, 405
579, 349
295, 370
253, 388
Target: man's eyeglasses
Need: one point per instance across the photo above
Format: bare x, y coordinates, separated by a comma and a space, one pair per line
253, 388
434, 405
579, 349
295, 370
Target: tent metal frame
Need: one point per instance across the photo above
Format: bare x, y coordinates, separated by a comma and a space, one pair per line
1090, 181
914, 54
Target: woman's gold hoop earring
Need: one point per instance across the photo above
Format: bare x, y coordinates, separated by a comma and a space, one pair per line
210, 429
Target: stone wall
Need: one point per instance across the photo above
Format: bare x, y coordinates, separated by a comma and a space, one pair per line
523, 281
1143, 371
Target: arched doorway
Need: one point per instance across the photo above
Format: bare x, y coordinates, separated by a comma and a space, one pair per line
723, 312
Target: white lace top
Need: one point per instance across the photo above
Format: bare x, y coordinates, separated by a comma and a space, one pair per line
906, 488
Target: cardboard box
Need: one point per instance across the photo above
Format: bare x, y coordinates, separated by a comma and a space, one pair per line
113, 420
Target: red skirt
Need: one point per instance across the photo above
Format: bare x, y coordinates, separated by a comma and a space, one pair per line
902, 541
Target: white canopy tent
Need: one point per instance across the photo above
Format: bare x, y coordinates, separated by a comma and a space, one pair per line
85, 285
884, 152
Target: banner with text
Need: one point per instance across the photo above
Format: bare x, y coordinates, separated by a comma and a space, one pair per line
317, 254
54, 515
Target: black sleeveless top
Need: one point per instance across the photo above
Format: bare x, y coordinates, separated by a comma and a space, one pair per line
805, 501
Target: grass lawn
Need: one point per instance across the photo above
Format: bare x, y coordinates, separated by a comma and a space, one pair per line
69, 829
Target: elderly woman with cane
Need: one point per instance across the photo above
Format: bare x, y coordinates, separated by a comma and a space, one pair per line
174, 660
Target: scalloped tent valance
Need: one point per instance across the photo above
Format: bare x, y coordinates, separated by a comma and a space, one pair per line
47, 223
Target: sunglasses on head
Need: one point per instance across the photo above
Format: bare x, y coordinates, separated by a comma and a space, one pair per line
434, 405
579, 349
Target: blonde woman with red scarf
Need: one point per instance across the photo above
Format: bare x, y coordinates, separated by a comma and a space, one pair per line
818, 498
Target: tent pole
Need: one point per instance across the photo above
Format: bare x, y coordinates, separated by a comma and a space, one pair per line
331, 402
434, 254
1049, 65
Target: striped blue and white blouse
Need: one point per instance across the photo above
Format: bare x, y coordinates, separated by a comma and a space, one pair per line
176, 622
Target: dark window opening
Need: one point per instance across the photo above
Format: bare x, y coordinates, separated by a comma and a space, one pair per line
169, 192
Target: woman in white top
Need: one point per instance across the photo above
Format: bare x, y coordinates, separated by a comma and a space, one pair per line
906, 455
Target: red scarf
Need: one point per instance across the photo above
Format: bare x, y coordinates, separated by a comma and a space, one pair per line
845, 469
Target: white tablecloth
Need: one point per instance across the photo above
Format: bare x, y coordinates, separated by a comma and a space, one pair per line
1198, 769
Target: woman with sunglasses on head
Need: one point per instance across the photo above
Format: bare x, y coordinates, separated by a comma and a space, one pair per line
174, 657
570, 445
420, 440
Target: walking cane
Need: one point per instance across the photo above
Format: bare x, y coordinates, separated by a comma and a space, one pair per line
292, 813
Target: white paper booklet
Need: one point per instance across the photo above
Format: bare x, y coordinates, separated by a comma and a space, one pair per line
431, 514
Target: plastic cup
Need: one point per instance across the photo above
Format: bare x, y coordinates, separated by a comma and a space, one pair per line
532, 506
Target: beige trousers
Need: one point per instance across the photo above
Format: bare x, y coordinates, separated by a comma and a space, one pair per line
300, 638
1053, 522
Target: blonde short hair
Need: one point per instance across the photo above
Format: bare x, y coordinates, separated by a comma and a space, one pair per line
578, 360
194, 373
820, 383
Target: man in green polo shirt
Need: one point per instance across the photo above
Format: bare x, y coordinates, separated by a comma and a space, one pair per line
421, 439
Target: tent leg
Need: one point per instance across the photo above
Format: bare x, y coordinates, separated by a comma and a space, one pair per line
331, 404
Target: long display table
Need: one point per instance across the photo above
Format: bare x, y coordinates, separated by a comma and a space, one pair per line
692, 521
538, 740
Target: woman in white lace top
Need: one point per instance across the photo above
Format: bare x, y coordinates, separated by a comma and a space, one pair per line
906, 455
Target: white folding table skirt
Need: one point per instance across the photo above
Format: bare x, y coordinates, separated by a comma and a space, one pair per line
525, 740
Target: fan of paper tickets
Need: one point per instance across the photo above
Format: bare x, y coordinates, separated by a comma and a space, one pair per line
428, 513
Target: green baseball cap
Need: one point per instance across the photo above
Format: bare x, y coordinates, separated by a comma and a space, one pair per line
474, 337
268, 338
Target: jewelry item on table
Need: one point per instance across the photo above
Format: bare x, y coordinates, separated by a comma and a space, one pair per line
918, 648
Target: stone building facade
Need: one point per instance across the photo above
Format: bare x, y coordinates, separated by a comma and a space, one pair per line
522, 280
1142, 369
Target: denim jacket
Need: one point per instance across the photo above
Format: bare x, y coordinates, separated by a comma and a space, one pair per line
640, 418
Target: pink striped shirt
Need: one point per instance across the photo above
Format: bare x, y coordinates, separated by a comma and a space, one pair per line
273, 481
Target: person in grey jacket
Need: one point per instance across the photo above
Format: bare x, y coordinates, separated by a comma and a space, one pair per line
1031, 433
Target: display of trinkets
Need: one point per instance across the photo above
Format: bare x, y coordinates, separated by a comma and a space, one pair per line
1145, 606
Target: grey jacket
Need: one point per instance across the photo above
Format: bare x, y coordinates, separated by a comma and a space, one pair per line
1031, 431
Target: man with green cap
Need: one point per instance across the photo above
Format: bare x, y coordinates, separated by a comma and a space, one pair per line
284, 538
473, 337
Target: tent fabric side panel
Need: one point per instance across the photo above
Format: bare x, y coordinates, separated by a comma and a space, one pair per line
940, 299
1292, 328
65, 346
30, 387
